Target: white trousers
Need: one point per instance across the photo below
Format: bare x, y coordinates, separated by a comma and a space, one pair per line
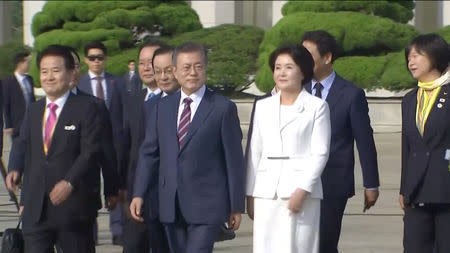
278, 230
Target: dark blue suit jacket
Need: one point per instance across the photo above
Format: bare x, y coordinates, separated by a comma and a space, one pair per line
14, 106
425, 169
207, 173
350, 122
115, 104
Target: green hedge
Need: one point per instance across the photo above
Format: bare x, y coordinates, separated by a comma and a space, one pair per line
445, 33
232, 53
373, 36
7, 53
173, 19
399, 11
77, 39
55, 13
387, 71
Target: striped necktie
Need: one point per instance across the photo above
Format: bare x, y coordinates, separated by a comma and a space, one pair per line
185, 120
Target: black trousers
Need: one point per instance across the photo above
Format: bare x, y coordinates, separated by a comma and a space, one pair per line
427, 228
74, 238
71, 237
331, 213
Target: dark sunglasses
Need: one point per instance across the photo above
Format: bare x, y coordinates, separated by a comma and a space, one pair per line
98, 57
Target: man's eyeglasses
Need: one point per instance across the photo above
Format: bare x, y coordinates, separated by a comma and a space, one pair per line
94, 57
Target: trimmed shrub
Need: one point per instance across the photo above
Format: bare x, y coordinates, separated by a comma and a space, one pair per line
373, 36
399, 11
232, 53
445, 33
7, 53
55, 13
77, 39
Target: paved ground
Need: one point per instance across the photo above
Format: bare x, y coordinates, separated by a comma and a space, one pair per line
377, 231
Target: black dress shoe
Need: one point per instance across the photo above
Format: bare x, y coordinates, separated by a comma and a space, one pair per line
225, 234
117, 240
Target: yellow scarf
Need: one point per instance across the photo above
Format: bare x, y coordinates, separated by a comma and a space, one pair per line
426, 97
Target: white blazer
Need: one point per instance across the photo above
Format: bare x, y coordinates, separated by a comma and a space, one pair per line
305, 139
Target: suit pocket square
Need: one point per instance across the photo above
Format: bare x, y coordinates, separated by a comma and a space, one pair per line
70, 128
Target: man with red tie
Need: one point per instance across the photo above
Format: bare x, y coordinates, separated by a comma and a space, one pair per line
61, 136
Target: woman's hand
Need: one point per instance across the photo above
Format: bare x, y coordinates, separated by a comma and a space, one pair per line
296, 200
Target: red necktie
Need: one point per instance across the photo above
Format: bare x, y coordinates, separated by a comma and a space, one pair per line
49, 125
185, 120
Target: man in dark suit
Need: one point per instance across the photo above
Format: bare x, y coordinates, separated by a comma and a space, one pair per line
193, 140
109, 88
350, 122
138, 236
18, 94
107, 159
132, 82
61, 133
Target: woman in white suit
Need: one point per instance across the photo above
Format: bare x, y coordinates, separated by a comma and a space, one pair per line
288, 152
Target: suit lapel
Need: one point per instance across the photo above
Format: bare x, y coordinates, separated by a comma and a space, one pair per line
109, 89
85, 84
172, 117
335, 92
203, 110
38, 117
433, 126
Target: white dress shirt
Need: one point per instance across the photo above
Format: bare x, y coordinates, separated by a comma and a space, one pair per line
196, 99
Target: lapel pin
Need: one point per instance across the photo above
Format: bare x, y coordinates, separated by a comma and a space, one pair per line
439, 105
442, 100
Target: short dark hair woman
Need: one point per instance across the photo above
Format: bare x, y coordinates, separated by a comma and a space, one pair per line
425, 179
288, 152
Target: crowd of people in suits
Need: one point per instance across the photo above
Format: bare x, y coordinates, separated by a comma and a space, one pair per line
172, 163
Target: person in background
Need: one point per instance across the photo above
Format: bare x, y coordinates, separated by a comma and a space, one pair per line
139, 236
350, 123
132, 82
18, 94
111, 89
425, 179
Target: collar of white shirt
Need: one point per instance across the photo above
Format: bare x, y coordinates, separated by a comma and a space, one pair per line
19, 77
59, 101
196, 96
326, 83
93, 76
157, 91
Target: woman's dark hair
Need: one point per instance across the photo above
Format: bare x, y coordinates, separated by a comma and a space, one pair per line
432, 45
301, 57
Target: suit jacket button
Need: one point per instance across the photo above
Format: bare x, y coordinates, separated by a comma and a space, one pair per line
428, 153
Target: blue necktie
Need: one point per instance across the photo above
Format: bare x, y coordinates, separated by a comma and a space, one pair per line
26, 90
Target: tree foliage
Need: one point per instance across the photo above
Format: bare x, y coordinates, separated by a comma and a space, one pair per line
399, 11
357, 35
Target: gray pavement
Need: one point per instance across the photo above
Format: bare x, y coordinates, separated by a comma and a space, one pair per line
379, 230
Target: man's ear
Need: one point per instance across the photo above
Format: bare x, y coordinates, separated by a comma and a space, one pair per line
328, 58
